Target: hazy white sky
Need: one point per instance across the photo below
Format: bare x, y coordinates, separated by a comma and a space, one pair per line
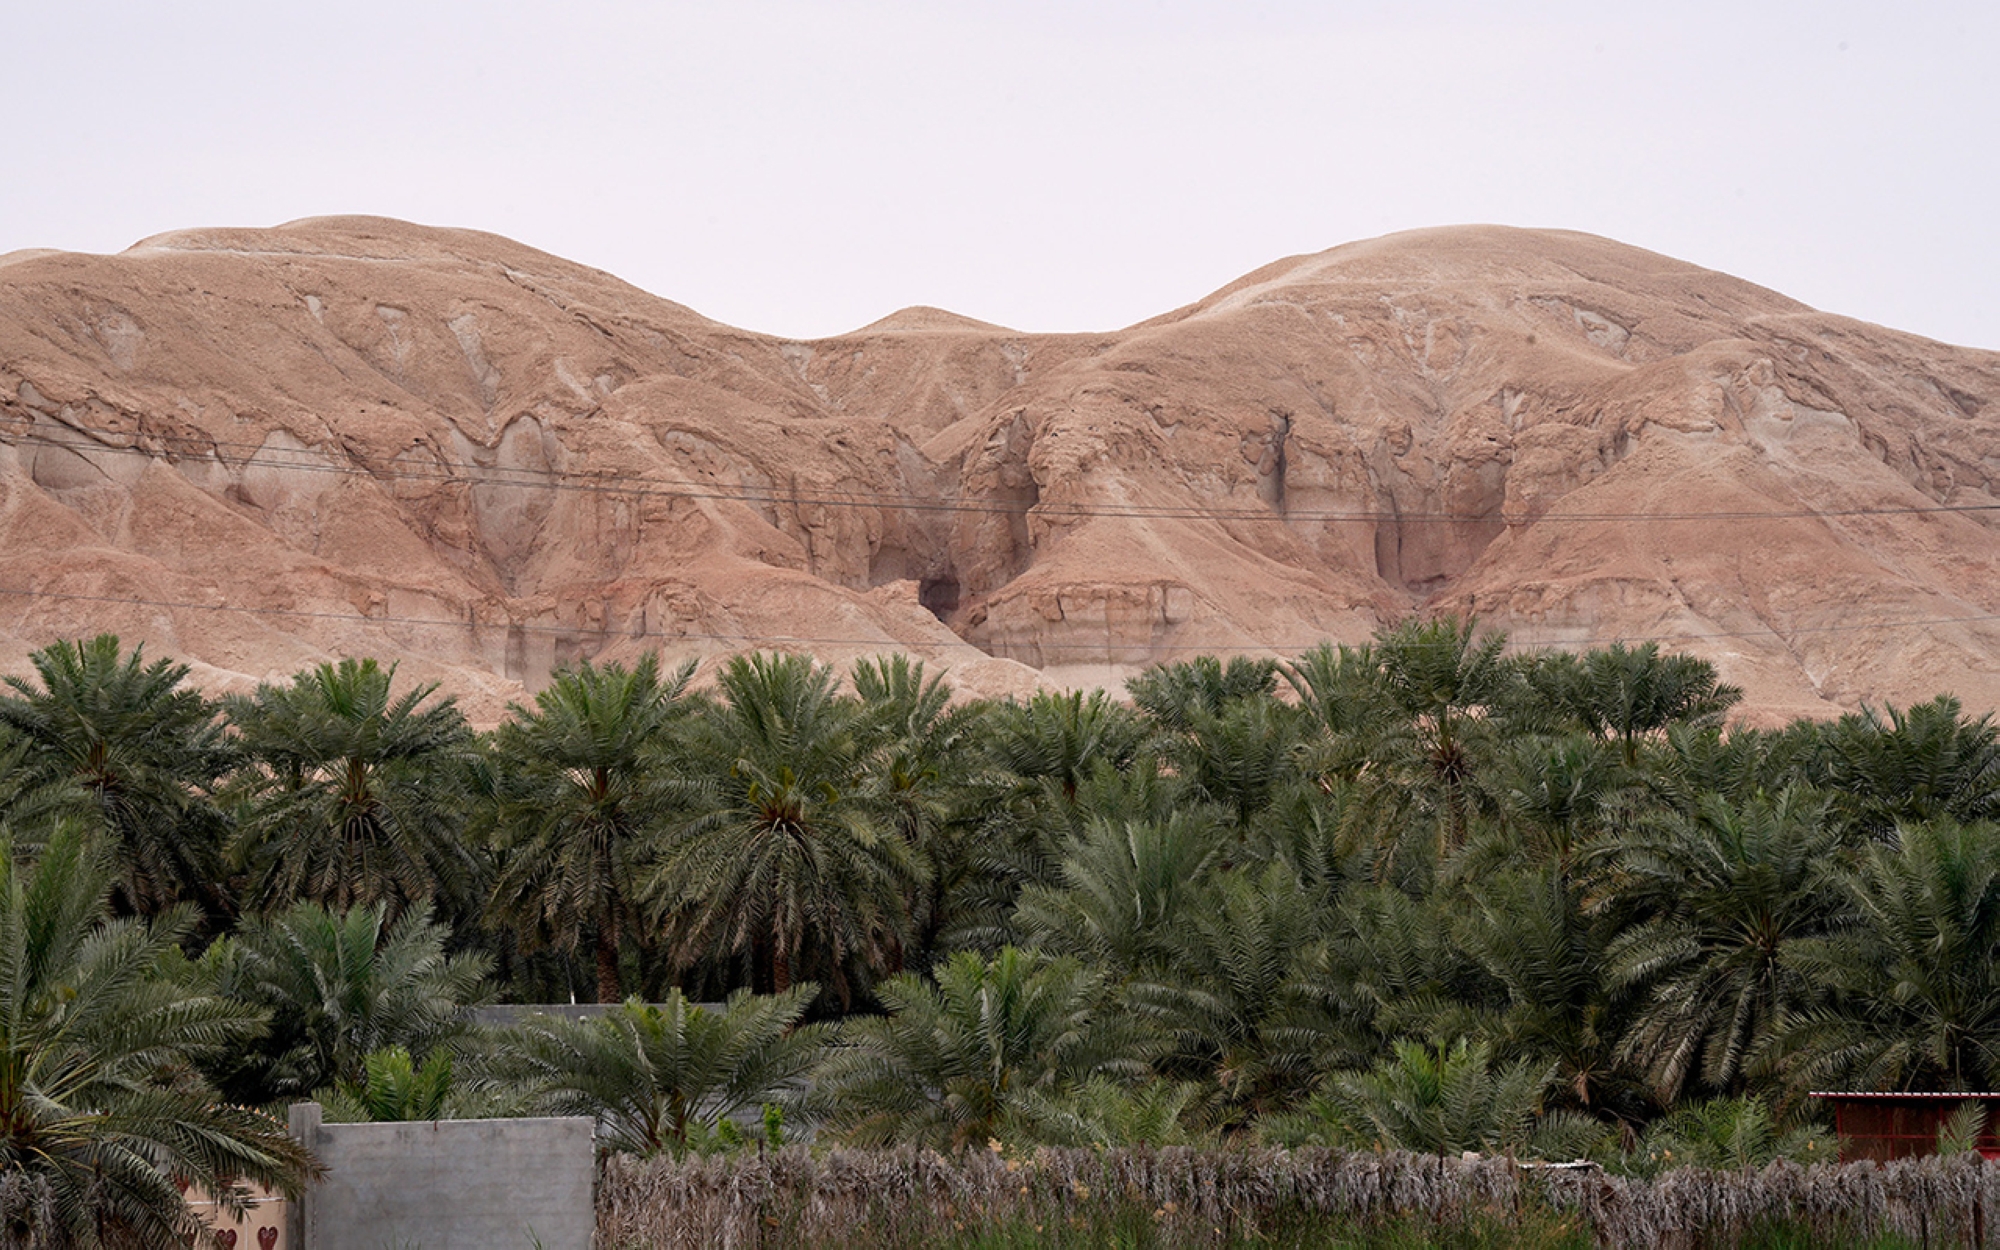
803, 168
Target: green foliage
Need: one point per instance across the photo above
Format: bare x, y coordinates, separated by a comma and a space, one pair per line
783, 860
142, 751
666, 1077
1059, 919
1723, 891
357, 798
581, 792
1429, 1097
1626, 695
1925, 763
1238, 994
1125, 887
392, 1089
1534, 933
1063, 737
340, 986
1729, 1134
927, 778
1961, 1130
1102, 1111
100, 1108
1911, 989
951, 1062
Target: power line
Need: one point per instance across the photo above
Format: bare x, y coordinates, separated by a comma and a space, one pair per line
637, 486
802, 640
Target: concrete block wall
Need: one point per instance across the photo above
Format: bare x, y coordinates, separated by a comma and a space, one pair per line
446, 1185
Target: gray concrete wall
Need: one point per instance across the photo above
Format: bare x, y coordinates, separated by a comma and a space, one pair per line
448, 1185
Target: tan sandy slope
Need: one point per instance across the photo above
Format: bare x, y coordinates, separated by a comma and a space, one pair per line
260, 448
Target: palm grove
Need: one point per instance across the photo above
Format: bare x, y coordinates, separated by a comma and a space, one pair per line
1415, 894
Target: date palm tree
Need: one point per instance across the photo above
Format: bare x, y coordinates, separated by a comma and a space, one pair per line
1534, 932
582, 799
1058, 759
144, 751
1927, 762
1434, 1097
101, 1111
1720, 895
1175, 695
1222, 728
656, 1076
1063, 737
782, 860
1628, 695
1444, 679
1240, 995
927, 777
356, 797
1410, 722
1124, 890
952, 1063
339, 986
1911, 985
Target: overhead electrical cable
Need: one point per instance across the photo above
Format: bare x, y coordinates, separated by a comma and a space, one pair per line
633, 486
803, 640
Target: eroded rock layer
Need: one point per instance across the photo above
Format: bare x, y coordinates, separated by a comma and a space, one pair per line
260, 448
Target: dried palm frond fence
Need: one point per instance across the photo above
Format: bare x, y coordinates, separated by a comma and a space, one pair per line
911, 1197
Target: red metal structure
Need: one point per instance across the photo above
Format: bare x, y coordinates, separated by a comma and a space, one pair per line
1901, 1126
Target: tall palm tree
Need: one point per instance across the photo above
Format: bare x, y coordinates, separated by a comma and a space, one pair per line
339, 986
1124, 890
1534, 932
1443, 679
654, 1077
1912, 984
951, 1063
1063, 737
782, 860
1410, 722
147, 753
1240, 994
1719, 896
1557, 798
1927, 762
1175, 695
1240, 758
356, 795
1335, 687
1058, 759
581, 801
1628, 694
100, 1110
928, 778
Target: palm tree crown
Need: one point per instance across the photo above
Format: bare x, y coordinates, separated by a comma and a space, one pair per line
354, 803
100, 1112
783, 860
146, 751
583, 798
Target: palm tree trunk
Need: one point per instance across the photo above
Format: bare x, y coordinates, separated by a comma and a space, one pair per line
607, 962
781, 970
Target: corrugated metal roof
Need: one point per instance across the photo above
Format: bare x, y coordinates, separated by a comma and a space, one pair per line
1961, 1096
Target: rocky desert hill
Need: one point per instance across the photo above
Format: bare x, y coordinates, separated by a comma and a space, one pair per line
256, 449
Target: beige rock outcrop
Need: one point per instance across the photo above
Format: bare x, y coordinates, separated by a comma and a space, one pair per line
259, 448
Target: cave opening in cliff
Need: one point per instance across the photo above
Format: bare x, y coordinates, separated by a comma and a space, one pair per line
939, 593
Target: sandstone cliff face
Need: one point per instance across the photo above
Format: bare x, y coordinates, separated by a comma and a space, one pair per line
260, 448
